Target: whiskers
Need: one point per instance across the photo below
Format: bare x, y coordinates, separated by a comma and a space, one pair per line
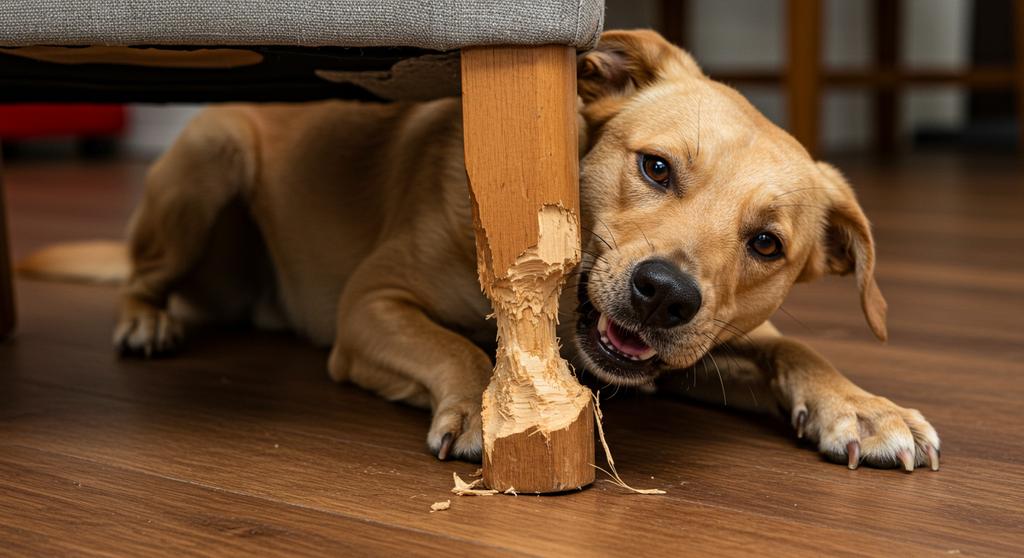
598, 237
610, 233
706, 348
795, 319
642, 233
739, 333
795, 190
713, 342
797, 202
749, 344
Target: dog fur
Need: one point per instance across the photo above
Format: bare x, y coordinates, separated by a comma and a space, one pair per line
350, 223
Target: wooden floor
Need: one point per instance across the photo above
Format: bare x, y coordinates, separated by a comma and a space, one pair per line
242, 445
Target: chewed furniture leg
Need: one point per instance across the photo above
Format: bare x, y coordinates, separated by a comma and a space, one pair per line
519, 115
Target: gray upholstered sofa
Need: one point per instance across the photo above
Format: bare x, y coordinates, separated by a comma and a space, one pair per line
297, 49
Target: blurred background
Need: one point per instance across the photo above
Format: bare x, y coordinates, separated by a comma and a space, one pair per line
865, 50
893, 76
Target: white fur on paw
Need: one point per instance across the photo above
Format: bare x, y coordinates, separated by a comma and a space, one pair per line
876, 431
457, 429
147, 330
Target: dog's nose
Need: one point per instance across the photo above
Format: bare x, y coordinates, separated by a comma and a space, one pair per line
663, 296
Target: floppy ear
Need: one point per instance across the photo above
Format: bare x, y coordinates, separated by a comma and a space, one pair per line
622, 63
849, 247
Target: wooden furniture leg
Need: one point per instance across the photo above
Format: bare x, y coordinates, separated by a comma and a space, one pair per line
803, 71
672, 21
519, 118
6, 279
888, 15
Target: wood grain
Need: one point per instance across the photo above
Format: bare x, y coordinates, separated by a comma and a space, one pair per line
44, 496
519, 123
242, 445
803, 69
529, 463
522, 158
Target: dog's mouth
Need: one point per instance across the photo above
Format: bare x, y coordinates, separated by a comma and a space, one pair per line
610, 350
620, 343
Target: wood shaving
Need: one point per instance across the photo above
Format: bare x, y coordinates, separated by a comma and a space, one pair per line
615, 478
511, 490
463, 488
440, 506
477, 474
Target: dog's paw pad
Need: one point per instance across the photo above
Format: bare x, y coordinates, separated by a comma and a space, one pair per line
868, 430
456, 432
147, 331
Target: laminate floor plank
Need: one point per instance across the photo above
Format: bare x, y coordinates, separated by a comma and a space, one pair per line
241, 445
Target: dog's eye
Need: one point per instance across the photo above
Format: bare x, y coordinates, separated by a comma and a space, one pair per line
766, 245
656, 170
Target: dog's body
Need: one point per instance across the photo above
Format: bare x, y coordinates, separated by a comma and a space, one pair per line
365, 244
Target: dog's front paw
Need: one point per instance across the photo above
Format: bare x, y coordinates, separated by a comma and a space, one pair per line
456, 430
144, 329
858, 427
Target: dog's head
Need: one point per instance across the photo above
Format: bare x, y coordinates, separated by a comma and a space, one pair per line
699, 214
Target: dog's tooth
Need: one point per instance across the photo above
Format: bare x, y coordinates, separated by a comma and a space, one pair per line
602, 325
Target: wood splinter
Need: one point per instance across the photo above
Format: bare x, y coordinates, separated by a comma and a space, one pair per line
519, 118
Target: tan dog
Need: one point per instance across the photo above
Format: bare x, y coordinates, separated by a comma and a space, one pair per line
350, 223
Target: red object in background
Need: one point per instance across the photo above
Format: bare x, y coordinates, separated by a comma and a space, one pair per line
19, 122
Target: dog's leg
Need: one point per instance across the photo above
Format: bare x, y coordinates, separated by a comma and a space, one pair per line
847, 423
185, 193
387, 343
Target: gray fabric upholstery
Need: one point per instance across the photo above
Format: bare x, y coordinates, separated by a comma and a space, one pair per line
430, 24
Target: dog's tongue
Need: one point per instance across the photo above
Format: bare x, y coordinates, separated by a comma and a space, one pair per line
626, 341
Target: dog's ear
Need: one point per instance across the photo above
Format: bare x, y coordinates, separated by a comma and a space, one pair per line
849, 247
622, 63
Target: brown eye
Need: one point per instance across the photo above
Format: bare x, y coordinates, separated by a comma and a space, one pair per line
766, 245
656, 170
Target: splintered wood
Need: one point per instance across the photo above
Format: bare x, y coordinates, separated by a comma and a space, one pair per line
613, 473
440, 506
519, 121
463, 488
536, 416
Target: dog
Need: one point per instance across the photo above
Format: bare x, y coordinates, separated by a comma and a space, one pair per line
350, 223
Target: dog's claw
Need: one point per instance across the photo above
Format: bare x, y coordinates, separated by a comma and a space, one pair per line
853, 455
907, 460
801, 420
446, 446
933, 458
